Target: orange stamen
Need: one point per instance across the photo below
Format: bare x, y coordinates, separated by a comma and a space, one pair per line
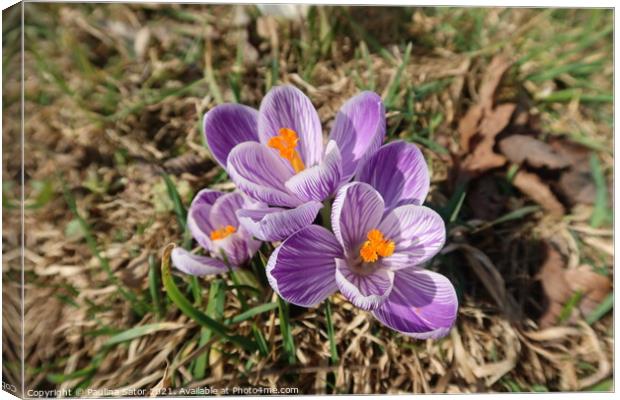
376, 246
223, 232
286, 143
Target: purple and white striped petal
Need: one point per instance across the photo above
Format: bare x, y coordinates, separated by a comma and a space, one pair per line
366, 291
227, 125
418, 233
322, 180
199, 223
399, 172
302, 269
206, 196
288, 107
422, 304
234, 249
260, 173
357, 209
223, 211
196, 265
359, 130
272, 224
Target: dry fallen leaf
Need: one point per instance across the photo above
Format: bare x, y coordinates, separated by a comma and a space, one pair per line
484, 121
577, 186
534, 152
576, 183
531, 185
560, 284
483, 157
491, 79
594, 286
468, 126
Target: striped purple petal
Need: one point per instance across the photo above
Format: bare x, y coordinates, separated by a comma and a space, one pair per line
199, 224
235, 249
365, 290
196, 265
399, 172
422, 304
273, 224
260, 173
227, 125
322, 180
418, 233
302, 269
223, 210
357, 209
288, 107
359, 130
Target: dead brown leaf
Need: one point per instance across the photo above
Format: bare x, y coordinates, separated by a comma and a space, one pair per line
560, 284
468, 126
491, 79
495, 121
531, 185
594, 286
576, 183
534, 152
577, 186
485, 121
483, 157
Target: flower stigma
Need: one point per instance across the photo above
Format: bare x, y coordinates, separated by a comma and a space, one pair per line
223, 232
376, 246
286, 143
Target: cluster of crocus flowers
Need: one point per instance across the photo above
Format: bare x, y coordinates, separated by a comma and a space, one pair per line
381, 235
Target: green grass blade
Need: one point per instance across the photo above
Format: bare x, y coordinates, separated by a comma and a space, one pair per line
215, 309
87, 371
393, 89
603, 308
330, 333
567, 95
139, 331
604, 386
260, 339
181, 213
570, 305
252, 312
601, 213
179, 208
154, 287
430, 144
513, 215
188, 309
451, 211
263, 347
285, 328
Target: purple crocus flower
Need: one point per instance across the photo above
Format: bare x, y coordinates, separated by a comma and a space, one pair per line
277, 156
213, 223
381, 236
